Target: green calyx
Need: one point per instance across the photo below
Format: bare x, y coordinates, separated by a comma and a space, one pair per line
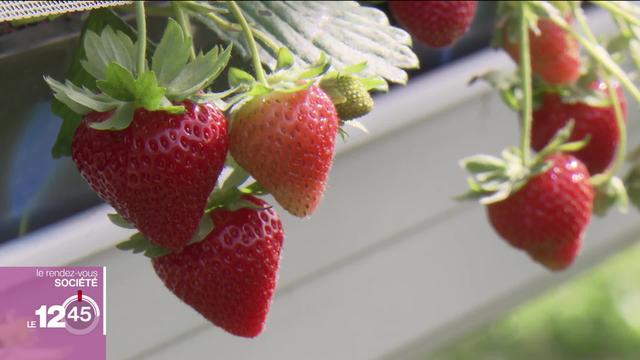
138, 243
632, 182
229, 195
285, 79
610, 193
509, 86
494, 179
172, 76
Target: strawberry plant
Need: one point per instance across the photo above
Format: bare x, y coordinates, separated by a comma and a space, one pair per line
152, 126
151, 138
540, 195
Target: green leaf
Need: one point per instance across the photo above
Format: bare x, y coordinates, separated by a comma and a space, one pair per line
285, 59
354, 69
143, 91
96, 21
80, 100
121, 118
374, 84
204, 229
349, 34
320, 67
244, 204
111, 46
147, 92
171, 55
632, 182
611, 193
137, 243
237, 77
482, 163
198, 74
118, 220
118, 83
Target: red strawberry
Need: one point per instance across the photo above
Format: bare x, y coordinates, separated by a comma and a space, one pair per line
548, 216
597, 122
286, 142
230, 276
555, 55
435, 23
158, 172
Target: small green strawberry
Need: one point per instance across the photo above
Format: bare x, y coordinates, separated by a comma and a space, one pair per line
349, 95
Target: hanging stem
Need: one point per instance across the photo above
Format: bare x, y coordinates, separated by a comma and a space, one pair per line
229, 26
183, 20
604, 177
613, 8
525, 75
251, 42
622, 129
141, 23
596, 51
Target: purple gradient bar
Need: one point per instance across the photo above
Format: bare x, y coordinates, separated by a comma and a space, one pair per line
44, 317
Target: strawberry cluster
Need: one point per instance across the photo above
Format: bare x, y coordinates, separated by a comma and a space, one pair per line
153, 143
572, 115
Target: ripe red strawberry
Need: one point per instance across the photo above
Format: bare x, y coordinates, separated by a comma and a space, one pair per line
597, 122
555, 55
158, 172
548, 216
286, 142
230, 276
435, 23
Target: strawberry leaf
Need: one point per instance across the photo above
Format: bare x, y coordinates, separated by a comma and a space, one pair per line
204, 229
80, 100
121, 118
237, 77
198, 74
118, 220
147, 92
632, 183
611, 193
96, 21
349, 34
111, 46
118, 83
171, 55
285, 59
137, 243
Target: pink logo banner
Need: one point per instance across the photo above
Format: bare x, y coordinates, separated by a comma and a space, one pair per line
52, 313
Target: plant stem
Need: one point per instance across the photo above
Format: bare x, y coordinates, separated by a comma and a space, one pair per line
183, 20
599, 54
525, 75
224, 24
229, 26
622, 129
582, 21
141, 24
615, 10
251, 42
613, 96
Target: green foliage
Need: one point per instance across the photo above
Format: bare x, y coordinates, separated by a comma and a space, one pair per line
595, 317
96, 21
350, 34
111, 46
